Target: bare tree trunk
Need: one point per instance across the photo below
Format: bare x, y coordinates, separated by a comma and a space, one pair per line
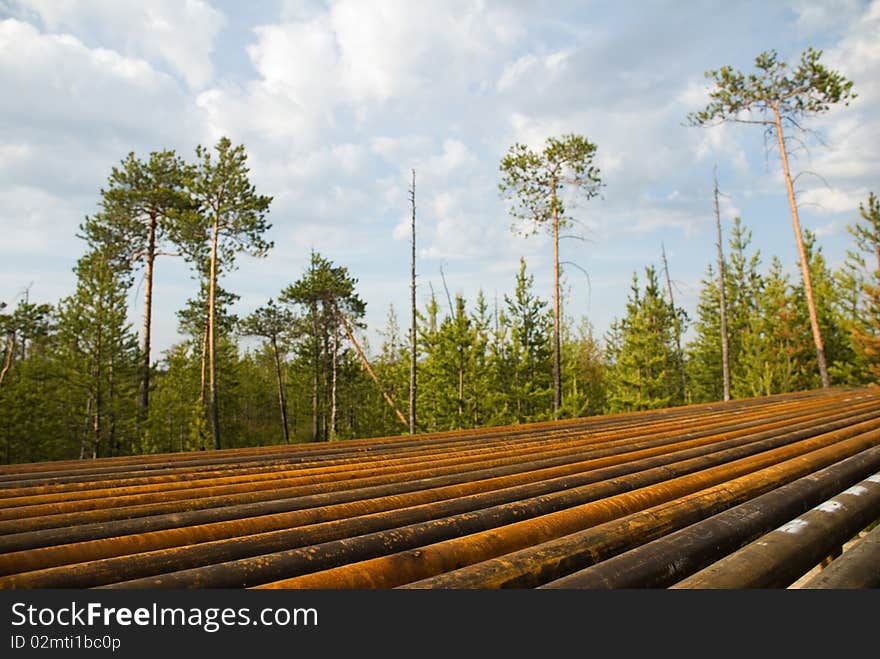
96, 418
677, 323
317, 346
7, 363
805, 266
88, 421
369, 369
113, 448
148, 310
460, 389
331, 435
557, 368
204, 371
722, 298
412, 331
212, 339
281, 401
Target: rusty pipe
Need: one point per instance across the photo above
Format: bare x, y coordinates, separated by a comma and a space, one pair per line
243, 572
778, 558
428, 561
857, 567
671, 558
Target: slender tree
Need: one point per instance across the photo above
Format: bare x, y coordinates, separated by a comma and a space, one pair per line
7, 329
28, 322
536, 183
722, 297
676, 321
413, 347
529, 367
231, 219
271, 322
778, 98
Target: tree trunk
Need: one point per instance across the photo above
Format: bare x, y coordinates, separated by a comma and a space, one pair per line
88, 421
148, 310
677, 324
317, 356
722, 298
412, 331
460, 389
331, 433
212, 339
557, 370
112, 447
805, 266
96, 417
369, 368
7, 363
281, 401
204, 371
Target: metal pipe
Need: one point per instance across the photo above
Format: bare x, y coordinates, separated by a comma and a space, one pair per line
60, 520
857, 567
778, 558
568, 489
664, 561
541, 562
655, 485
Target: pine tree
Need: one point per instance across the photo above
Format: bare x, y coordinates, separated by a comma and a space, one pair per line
328, 301
776, 356
272, 322
140, 206
535, 182
780, 98
230, 219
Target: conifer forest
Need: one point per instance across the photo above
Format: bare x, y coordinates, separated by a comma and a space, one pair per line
78, 379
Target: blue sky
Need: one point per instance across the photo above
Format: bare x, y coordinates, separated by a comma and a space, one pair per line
336, 102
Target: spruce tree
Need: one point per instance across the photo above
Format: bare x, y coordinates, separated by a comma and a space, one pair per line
641, 351
865, 261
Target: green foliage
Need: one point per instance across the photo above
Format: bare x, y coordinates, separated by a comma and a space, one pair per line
227, 205
142, 205
527, 366
863, 317
99, 358
742, 287
535, 181
776, 350
326, 298
641, 352
808, 89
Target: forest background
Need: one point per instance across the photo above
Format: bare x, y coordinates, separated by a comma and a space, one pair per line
74, 381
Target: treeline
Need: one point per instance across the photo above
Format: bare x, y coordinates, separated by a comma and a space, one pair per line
76, 381
71, 372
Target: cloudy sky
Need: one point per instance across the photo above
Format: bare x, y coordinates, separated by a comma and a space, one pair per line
336, 102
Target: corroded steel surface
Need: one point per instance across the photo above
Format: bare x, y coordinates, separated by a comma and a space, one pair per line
650, 499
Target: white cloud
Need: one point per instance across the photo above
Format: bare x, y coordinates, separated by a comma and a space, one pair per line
62, 83
180, 33
832, 200
514, 71
818, 15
